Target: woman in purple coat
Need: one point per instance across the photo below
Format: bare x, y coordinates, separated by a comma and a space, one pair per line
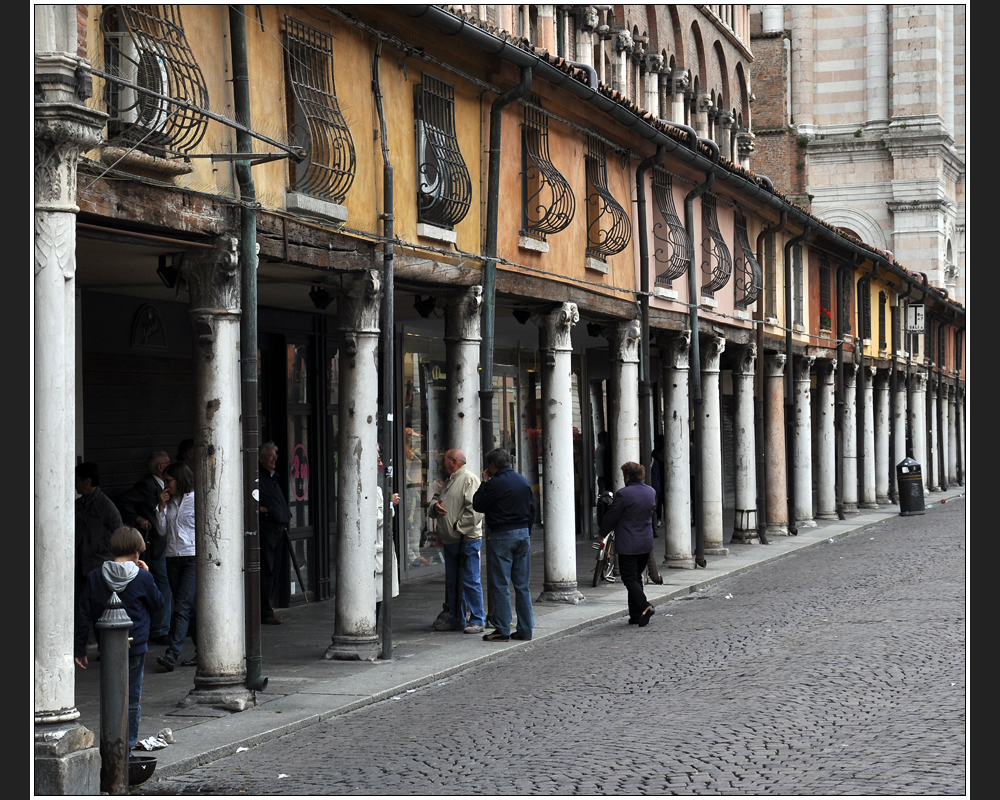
631, 518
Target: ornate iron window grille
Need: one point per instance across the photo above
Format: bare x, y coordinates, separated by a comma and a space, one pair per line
547, 201
825, 296
444, 186
771, 283
673, 247
846, 292
750, 278
797, 284
315, 119
866, 312
882, 300
148, 60
718, 263
609, 229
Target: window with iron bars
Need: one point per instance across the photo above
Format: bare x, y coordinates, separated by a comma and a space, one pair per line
718, 263
825, 295
882, 300
444, 186
608, 227
771, 279
149, 65
547, 201
672, 245
315, 121
797, 285
866, 311
749, 279
846, 292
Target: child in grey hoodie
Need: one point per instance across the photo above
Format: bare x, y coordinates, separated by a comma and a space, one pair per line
130, 579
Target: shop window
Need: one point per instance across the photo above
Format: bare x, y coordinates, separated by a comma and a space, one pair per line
547, 201
444, 186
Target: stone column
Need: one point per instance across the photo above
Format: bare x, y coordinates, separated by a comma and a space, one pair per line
461, 337
952, 436
868, 439
745, 525
623, 51
674, 356
933, 474
802, 464
774, 445
849, 442
960, 450
826, 457
680, 79
66, 760
213, 279
724, 136
623, 400
918, 421
654, 66
877, 65
899, 423
703, 104
882, 465
556, 349
943, 395
711, 446
355, 637
745, 147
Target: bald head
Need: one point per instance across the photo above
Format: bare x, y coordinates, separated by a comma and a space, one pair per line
453, 460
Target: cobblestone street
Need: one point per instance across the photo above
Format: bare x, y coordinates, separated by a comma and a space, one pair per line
839, 670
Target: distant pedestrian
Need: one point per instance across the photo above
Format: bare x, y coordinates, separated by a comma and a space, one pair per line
602, 461
383, 532
129, 578
175, 515
272, 522
506, 499
631, 518
97, 518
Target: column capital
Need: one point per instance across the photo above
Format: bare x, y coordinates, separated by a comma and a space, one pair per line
623, 41
826, 369
62, 131
746, 359
711, 353
213, 278
745, 143
462, 315
918, 382
868, 375
774, 365
850, 376
358, 304
802, 367
881, 378
623, 338
680, 79
675, 349
555, 327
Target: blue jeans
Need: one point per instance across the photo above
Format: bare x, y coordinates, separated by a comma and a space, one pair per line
509, 558
472, 587
181, 573
159, 623
136, 665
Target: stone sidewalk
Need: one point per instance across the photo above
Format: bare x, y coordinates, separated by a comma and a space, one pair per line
304, 688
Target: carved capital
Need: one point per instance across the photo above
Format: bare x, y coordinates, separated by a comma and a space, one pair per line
825, 370
803, 366
918, 382
680, 80
623, 338
675, 350
746, 359
654, 63
726, 119
774, 365
712, 348
624, 42
745, 143
850, 376
705, 103
62, 132
462, 315
358, 306
590, 19
213, 276
555, 327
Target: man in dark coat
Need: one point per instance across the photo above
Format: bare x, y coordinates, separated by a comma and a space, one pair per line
273, 519
138, 507
96, 519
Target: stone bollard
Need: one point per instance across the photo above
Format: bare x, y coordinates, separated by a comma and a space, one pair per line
112, 628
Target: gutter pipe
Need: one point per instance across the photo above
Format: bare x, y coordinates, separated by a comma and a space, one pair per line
248, 349
864, 284
790, 383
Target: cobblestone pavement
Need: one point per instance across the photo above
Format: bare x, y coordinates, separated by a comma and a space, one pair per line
840, 670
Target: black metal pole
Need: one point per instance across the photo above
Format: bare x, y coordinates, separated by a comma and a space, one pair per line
790, 384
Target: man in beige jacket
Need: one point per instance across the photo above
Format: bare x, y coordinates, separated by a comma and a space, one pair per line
461, 532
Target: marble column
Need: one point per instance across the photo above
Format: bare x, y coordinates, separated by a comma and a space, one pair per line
774, 445
918, 421
213, 281
899, 423
826, 456
711, 446
556, 348
623, 399
66, 760
680, 79
882, 465
867, 423
933, 471
849, 442
654, 66
355, 637
802, 463
947, 476
952, 436
675, 354
961, 452
462, 338
744, 445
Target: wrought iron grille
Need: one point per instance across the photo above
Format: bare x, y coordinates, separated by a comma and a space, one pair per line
444, 186
750, 278
771, 283
608, 227
673, 247
547, 201
866, 312
825, 295
316, 122
148, 61
797, 284
846, 291
718, 264
882, 300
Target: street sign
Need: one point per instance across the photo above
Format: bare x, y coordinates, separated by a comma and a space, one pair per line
915, 318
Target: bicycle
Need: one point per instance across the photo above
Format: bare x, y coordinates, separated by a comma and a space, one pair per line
605, 568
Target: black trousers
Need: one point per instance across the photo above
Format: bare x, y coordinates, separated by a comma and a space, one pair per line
269, 541
631, 567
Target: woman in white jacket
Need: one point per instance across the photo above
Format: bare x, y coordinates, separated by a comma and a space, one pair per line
175, 516
380, 538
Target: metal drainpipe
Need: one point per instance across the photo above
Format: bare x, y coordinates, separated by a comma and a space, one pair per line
897, 334
248, 348
490, 259
842, 315
645, 391
695, 386
758, 400
859, 359
790, 383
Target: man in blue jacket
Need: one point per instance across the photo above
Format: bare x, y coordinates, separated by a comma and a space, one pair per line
506, 499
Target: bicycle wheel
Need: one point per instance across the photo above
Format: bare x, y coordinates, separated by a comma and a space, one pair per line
599, 570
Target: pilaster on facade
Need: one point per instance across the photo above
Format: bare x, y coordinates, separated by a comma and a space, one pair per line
710, 421
462, 320
556, 347
744, 445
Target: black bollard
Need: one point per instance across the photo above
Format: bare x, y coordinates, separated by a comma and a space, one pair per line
112, 630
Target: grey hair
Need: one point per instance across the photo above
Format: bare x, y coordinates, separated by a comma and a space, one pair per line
498, 458
155, 458
268, 446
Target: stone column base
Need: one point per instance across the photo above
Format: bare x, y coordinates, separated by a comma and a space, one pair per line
883, 500
679, 562
67, 761
716, 551
868, 505
745, 537
353, 648
777, 529
562, 592
224, 693
850, 508
805, 523
831, 515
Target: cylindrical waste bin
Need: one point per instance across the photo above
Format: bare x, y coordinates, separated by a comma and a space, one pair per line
910, 482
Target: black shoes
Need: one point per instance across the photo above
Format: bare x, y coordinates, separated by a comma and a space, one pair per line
496, 636
644, 619
520, 636
166, 663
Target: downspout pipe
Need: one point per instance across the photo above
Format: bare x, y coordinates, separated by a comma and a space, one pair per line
490, 257
843, 316
248, 348
386, 390
897, 335
645, 390
697, 400
864, 284
790, 382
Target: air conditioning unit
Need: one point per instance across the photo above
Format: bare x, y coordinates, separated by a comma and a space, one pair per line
144, 67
